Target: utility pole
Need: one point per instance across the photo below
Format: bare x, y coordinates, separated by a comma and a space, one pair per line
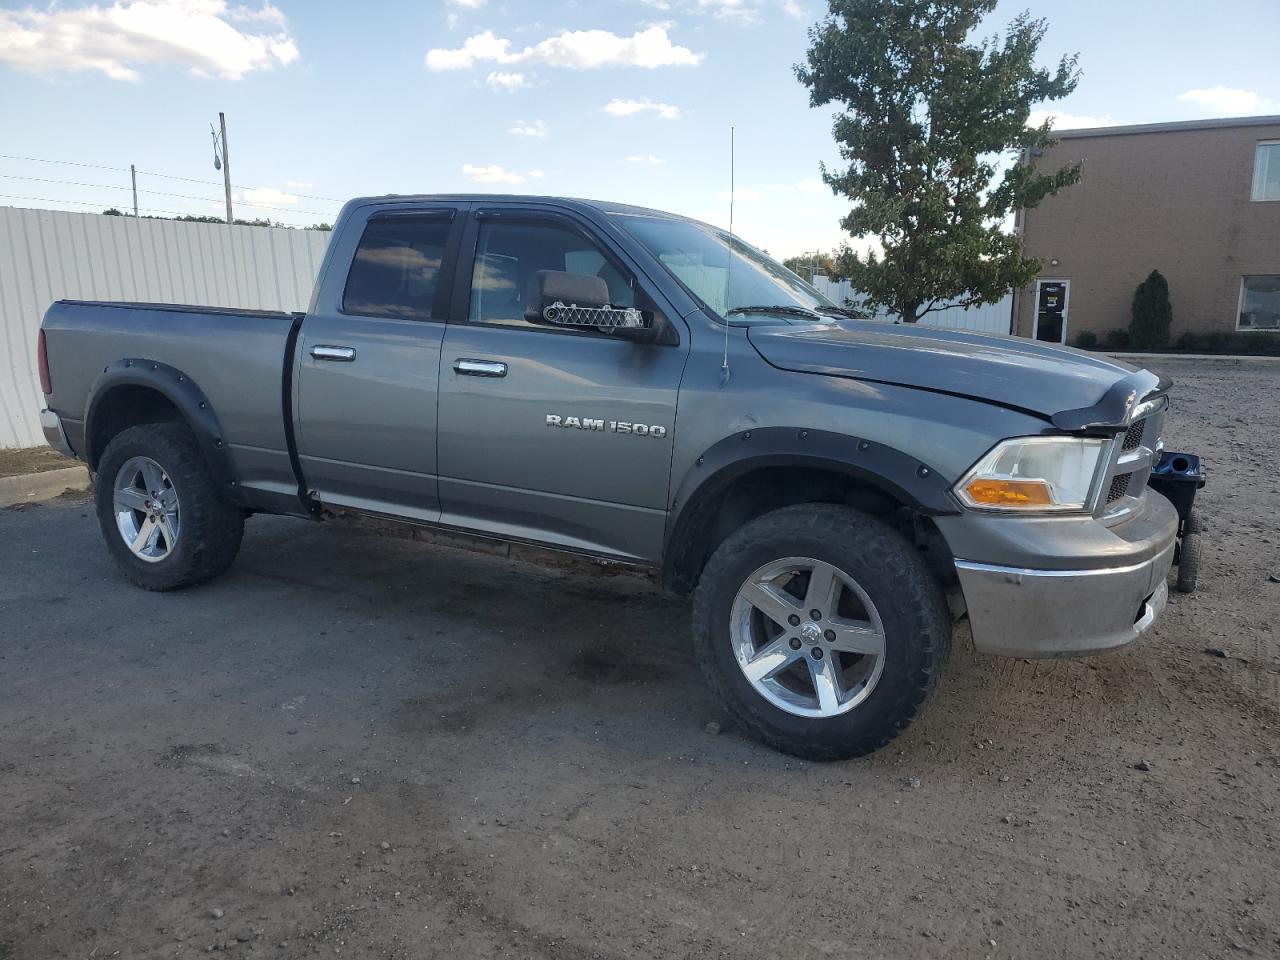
226, 165
222, 160
133, 175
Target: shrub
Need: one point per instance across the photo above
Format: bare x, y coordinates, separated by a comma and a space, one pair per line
1217, 340
1152, 313
1190, 341
1087, 340
1255, 343
1118, 338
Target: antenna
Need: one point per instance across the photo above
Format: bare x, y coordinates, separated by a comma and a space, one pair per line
728, 272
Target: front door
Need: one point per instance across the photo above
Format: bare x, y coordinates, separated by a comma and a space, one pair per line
368, 369
558, 436
1051, 310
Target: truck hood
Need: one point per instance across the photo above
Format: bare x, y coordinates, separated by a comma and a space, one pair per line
1071, 388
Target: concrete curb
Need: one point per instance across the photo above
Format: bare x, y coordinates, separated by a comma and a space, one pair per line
34, 487
1220, 357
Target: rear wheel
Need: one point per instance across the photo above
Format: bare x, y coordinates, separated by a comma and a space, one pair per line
822, 630
161, 513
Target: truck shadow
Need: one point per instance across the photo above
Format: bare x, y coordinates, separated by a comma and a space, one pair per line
488, 646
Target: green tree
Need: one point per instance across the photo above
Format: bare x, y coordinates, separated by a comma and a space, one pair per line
1152, 314
928, 113
815, 261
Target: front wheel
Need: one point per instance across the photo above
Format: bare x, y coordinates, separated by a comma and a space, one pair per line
161, 513
821, 629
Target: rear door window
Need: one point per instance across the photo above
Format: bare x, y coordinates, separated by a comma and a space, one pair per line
397, 269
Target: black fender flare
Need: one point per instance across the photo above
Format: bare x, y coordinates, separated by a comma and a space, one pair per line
904, 478
186, 396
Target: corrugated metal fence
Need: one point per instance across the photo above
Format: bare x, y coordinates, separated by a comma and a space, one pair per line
47, 255
988, 318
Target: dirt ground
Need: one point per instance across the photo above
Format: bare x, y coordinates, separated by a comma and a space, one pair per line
352, 746
32, 460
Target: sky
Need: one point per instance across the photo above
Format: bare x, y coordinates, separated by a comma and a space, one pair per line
623, 100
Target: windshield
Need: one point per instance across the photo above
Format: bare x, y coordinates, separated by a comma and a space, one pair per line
729, 276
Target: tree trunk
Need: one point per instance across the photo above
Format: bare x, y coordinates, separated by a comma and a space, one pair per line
910, 312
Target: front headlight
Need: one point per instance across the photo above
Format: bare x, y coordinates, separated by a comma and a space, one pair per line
1034, 474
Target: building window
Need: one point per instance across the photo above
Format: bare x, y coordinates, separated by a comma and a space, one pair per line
1260, 303
1266, 171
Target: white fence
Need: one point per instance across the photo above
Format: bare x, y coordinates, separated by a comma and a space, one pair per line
988, 318
47, 255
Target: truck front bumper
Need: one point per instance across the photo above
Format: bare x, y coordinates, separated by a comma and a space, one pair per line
1017, 612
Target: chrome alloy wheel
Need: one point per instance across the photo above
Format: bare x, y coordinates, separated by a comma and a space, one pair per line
807, 637
146, 508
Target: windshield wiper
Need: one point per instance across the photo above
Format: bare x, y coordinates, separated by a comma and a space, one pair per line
781, 309
840, 312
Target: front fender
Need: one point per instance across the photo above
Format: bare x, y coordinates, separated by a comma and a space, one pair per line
180, 390
898, 475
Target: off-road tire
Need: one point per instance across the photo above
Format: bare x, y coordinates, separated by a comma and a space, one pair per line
895, 576
211, 527
1189, 555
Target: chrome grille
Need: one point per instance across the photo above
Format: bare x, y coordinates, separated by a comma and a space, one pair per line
1119, 487
1133, 436
1132, 456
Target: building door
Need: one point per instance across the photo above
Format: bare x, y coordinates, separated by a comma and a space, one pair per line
1051, 310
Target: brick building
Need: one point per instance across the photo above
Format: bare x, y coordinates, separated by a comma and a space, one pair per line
1198, 201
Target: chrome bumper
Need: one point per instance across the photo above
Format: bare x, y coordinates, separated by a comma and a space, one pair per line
54, 435
1062, 613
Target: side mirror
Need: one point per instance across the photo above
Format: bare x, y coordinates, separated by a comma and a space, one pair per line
576, 300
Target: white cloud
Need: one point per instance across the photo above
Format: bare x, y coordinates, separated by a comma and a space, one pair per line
528, 128
625, 108
1230, 102
116, 40
269, 196
793, 9
508, 82
736, 10
299, 184
263, 14
468, 4
574, 49
1069, 121
492, 173
649, 159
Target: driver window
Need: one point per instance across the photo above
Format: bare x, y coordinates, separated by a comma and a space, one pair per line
508, 254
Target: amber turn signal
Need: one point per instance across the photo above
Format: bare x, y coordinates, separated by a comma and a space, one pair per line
989, 492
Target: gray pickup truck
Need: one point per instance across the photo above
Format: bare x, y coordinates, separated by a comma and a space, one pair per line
635, 386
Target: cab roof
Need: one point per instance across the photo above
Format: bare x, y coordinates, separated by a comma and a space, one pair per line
600, 206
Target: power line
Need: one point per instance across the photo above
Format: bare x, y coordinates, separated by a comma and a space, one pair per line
100, 204
161, 193
152, 173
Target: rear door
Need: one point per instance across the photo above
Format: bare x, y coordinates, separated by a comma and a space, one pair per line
369, 365
547, 434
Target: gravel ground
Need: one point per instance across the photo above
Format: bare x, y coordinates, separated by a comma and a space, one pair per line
374, 748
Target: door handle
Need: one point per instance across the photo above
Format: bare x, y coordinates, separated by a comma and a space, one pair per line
479, 368
327, 352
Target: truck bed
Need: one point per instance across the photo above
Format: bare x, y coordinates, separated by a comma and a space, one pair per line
237, 357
